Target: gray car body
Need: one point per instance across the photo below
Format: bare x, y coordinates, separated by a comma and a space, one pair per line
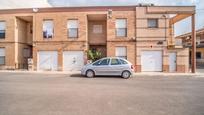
108, 69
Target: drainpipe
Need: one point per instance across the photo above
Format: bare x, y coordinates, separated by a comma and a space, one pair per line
136, 38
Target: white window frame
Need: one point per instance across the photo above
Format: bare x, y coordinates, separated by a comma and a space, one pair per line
72, 24
48, 29
3, 29
2, 55
98, 29
121, 51
152, 26
121, 25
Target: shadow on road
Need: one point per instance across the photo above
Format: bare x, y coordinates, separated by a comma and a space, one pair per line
81, 76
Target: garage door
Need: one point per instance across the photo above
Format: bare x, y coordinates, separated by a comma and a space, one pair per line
73, 60
47, 60
151, 61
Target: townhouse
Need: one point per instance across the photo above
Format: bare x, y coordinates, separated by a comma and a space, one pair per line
58, 38
186, 40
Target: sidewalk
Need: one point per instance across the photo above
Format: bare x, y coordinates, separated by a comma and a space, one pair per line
168, 74
41, 72
198, 74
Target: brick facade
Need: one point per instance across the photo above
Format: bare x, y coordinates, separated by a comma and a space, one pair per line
24, 30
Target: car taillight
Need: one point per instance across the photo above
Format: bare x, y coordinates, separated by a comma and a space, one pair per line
132, 67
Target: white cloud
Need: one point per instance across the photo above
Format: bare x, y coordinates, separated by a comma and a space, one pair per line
10, 4
117, 2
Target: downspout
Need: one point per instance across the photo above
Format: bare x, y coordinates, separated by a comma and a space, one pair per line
136, 39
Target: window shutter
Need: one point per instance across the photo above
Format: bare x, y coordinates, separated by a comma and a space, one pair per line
121, 51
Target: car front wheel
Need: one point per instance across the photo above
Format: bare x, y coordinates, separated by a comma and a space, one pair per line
90, 74
126, 74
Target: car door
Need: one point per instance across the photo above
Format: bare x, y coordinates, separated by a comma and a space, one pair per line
103, 67
116, 66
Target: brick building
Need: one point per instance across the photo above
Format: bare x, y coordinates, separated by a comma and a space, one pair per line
186, 41
58, 38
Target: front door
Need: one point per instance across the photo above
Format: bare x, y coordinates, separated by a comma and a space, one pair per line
103, 67
172, 62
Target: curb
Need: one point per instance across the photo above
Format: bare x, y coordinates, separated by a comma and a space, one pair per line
78, 72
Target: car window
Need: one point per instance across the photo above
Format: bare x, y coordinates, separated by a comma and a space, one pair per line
105, 62
123, 61
97, 62
115, 61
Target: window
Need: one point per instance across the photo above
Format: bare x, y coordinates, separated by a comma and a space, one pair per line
2, 56
26, 53
115, 61
105, 62
198, 55
97, 29
121, 27
121, 52
72, 26
2, 29
152, 23
97, 62
48, 29
123, 61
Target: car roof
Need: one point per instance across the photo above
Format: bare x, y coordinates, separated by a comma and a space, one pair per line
114, 57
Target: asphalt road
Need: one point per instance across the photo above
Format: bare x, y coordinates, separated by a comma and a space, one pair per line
49, 94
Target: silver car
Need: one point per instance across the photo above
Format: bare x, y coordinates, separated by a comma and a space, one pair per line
109, 66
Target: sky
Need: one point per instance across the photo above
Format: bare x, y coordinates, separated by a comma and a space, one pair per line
180, 28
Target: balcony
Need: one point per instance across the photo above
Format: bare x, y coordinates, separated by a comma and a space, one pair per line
175, 43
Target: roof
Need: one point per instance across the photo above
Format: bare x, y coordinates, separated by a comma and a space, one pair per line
83, 8
199, 31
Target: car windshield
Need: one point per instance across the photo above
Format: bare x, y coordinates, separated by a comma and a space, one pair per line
105, 62
97, 62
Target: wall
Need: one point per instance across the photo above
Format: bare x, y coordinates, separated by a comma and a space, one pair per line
96, 38
130, 16
8, 42
60, 42
139, 37
60, 26
60, 47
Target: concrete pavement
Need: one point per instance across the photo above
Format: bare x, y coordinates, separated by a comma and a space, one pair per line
63, 94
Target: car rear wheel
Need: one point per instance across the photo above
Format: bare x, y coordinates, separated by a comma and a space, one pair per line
89, 73
126, 74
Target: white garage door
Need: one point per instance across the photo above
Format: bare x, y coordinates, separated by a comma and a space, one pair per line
47, 60
151, 61
73, 60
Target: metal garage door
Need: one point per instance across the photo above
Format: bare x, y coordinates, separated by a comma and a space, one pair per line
73, 60
47, 60
151, 61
